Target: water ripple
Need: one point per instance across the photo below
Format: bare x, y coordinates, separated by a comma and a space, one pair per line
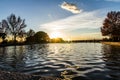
72, 61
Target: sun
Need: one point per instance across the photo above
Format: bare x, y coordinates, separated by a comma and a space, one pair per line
56, 34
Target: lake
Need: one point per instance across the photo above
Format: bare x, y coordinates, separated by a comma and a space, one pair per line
71, 61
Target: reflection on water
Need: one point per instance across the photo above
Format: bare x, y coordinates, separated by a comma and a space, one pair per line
73, 61
111, 55
11, 58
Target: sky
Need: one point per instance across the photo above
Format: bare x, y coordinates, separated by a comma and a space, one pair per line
69, 19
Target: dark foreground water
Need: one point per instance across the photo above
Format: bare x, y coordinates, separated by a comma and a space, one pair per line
73, 61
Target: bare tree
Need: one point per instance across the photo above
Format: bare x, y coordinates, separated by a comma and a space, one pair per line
111, 25
15, 25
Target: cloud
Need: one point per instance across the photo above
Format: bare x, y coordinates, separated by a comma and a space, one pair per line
70, 7
86, 36
113, 0
89, 20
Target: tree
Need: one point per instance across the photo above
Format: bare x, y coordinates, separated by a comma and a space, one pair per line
15, 26
2, 31
30, 33
111, 25
3, 36
30, 36
22, 35
41, 37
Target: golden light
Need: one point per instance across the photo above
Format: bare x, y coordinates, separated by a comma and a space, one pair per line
56, 34
68, 40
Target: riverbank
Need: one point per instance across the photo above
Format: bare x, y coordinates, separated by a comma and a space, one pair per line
4, 75
112, 43
20, 44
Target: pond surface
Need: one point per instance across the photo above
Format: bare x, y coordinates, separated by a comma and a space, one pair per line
72, 61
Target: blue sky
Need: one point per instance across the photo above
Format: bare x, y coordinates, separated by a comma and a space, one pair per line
83, 21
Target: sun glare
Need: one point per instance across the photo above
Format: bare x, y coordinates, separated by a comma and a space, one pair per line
56, 35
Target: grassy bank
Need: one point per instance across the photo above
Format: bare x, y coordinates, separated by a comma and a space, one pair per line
112, 43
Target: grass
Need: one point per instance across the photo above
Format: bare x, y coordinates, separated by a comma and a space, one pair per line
112, 43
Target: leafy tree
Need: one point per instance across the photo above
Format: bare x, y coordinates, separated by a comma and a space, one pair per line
30, 40
41, 37
30, 36
15, 25
111, 25
30, 33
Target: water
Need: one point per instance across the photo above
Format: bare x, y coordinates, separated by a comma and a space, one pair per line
72, 61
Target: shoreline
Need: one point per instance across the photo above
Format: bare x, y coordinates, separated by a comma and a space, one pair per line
6, 75
21, 44
112, 43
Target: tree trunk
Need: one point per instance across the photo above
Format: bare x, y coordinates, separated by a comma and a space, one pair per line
115, 37
14, 38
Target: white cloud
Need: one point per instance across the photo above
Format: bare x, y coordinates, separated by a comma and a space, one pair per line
88, 20
70, 7
113, 0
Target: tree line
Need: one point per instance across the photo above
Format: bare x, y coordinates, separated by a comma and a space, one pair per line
14, 27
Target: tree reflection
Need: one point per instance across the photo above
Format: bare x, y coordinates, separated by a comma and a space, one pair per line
111, 53
12, 57
111, 56
2, 52
17, 57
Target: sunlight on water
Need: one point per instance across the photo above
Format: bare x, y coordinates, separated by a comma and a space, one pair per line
70, 61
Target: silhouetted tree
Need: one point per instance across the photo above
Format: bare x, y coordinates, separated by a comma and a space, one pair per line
22, 34
3, 36
30, 40
111, 25
2, 31
41, 37
30, 33
30, 36
15, 25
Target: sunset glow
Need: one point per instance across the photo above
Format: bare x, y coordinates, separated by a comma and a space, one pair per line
56, 34
68, 19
